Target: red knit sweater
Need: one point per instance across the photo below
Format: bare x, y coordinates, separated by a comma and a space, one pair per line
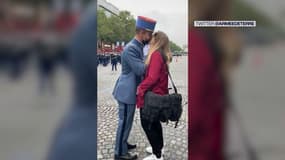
155, 80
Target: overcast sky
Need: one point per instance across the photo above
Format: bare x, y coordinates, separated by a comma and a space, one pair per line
275, 9
171, 15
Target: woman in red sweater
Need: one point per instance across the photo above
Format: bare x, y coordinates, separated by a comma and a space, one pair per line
155, 80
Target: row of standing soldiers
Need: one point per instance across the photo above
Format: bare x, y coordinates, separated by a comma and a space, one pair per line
15, 60
105, 59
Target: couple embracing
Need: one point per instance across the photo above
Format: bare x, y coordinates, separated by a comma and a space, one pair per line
138, 76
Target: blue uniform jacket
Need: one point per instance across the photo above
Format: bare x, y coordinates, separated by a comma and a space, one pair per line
133, 69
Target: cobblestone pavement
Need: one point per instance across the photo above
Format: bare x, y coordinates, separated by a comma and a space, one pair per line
176, 142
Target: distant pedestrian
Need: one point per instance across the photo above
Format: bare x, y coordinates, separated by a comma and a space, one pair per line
114, 62
46, 65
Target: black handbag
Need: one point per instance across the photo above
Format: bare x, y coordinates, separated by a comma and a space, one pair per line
163, 107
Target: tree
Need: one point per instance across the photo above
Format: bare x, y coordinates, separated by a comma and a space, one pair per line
174, 47
102, 26
127, 25
115, 28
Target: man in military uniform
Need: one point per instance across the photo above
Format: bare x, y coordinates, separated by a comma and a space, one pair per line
124, 92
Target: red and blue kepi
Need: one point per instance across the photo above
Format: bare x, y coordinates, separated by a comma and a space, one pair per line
145, 23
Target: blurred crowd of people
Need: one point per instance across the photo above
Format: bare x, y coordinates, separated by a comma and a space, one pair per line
41, 56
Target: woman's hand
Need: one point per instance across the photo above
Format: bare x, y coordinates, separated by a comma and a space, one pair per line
140, 98
140, 102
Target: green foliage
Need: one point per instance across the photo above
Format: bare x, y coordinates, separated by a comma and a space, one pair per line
115, 28
174, 47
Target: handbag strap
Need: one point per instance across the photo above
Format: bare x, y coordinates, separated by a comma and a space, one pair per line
168, 72
172, 82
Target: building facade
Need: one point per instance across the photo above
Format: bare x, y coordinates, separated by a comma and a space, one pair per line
109, 8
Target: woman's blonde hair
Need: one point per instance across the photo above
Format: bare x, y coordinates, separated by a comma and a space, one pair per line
159, 42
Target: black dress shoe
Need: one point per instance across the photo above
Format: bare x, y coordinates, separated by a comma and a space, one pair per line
131, 146
127, 156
